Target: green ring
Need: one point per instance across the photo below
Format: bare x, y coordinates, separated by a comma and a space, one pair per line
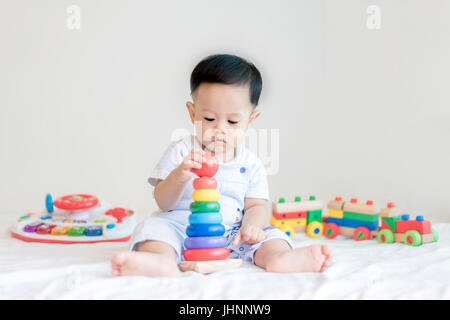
204, 206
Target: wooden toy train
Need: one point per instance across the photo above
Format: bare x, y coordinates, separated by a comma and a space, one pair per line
358, 220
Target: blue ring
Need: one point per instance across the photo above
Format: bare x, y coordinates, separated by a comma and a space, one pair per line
205, 230
205, 218
205, 242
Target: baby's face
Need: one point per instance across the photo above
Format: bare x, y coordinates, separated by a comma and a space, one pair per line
222, 115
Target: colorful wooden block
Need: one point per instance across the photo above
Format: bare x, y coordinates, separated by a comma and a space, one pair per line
354, 206
335, 213
336, 204
390, 211
297, 206
389, 223
361, 217
315, 215
355, 224
338, 221
290, 215
278, 223
423, 227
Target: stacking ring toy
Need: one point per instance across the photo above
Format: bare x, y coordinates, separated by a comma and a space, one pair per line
206, 195
205, 183
209, 167
205, 218
205, 242
76, 202
205, 230
204, 207
206, 254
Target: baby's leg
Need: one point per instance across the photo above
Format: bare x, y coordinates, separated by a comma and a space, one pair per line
275, 255
152, 259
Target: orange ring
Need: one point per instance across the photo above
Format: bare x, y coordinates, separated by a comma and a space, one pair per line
205, 183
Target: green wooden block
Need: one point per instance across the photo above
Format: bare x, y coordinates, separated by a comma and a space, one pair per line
314, 215
392, 222
361, 216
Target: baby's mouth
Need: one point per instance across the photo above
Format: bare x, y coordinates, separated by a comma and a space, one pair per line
219, 141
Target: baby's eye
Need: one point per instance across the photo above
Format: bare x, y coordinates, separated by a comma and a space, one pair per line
209, 119
233, 122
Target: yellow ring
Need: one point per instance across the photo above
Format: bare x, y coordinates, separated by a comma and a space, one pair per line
206, 195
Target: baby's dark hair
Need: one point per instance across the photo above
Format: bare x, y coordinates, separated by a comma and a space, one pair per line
228, 69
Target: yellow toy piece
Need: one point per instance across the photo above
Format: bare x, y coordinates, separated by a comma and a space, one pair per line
210, 195
60, 230
334, 213
278, 223
287, 225
314, 229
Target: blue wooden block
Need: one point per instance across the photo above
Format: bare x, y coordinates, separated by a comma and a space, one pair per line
338, 221
355, 224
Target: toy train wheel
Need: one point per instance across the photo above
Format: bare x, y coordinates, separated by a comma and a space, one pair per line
314, 229
76, 202
361, 234
288, 230
435, 235
331, 230
412, 238
385, 236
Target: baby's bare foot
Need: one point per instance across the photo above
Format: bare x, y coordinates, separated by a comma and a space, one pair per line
135, 263
315, 258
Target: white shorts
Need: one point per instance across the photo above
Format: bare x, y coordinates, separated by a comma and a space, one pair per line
174, 234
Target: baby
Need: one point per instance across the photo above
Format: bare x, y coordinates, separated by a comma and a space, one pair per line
225, 90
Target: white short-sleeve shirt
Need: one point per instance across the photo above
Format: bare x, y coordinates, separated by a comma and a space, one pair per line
243, 177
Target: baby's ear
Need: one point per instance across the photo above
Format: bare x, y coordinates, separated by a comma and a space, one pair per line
255, 114
191, 110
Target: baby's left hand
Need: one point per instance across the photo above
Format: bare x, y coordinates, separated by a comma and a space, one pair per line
249, 234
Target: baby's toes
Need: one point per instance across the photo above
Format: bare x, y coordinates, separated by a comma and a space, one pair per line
326, 251
117, 262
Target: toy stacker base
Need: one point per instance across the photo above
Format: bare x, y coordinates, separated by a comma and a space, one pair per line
209, 266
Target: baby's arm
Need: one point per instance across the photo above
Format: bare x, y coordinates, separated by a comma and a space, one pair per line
255, 219
168, 192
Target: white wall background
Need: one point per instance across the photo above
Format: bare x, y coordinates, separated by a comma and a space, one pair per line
361, 112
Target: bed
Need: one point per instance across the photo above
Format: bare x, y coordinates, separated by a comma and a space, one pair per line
361, 270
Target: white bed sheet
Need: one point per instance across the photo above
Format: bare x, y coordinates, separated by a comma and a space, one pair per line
361, 270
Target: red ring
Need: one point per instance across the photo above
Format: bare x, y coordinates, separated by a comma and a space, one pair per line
206, 254
69, 203
205, 183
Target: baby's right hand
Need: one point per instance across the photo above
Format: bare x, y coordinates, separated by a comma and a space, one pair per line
192, 160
